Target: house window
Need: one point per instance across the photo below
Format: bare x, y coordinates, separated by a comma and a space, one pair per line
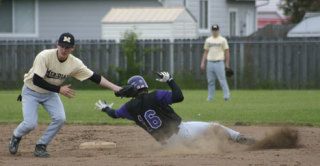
18, 17
233, 23
203, 17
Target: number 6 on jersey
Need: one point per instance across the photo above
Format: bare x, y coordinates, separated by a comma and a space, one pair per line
153, 120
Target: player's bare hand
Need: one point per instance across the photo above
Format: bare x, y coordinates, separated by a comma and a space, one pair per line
203, 67
66, 90
117, 88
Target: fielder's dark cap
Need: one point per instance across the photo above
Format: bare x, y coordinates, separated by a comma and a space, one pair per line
66, 40
215, 27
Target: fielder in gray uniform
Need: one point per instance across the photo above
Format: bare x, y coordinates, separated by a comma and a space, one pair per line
216, 57
43, 84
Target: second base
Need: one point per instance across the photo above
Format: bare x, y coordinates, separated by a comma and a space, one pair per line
97, 145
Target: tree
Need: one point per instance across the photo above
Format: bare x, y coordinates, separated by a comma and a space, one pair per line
129, 48
296, 9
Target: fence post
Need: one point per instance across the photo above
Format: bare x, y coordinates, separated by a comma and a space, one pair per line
235, 67
241, 64
2, 60
279, 57
117, 57
171, 56
272, 62
304, 64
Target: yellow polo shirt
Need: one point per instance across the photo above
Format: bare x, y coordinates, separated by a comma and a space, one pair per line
216, 47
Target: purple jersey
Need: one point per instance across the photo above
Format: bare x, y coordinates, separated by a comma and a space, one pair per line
162, 96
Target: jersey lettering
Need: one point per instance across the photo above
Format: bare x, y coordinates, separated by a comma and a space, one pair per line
51, 74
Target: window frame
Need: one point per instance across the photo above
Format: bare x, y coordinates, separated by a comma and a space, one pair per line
236, 21
205, 30
250, 23
36, 30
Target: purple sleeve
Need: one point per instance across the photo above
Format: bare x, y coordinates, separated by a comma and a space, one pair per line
122, 112
163, 96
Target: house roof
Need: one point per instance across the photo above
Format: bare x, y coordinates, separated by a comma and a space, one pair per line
135, 15
308, 27
311, 14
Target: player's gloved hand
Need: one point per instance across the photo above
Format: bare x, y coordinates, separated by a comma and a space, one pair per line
103, 106
126, 91
229, 72
164, 76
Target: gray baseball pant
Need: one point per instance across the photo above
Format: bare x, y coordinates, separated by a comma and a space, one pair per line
216, 70
30, 104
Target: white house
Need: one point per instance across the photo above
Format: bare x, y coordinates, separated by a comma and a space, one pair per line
149, 23
47, 19
235, 17
308, 27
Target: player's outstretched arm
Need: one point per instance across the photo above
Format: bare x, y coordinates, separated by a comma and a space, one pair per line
103, 82
177, 95
107, 84
107, 108
122, 112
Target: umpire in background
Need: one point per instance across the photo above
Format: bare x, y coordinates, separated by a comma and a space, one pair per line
217, 58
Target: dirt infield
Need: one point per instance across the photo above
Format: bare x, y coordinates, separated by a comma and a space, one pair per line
135, 147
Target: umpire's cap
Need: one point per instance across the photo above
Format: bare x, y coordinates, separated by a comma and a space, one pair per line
66, 40
138, 82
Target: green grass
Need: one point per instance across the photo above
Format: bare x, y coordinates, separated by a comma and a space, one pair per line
246, 107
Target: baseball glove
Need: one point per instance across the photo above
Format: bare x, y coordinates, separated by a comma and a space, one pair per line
229, 72
19, 98
126, 91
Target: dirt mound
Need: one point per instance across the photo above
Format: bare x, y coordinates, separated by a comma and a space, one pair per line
282, 138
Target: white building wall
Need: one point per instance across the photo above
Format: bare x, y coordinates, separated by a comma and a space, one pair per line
185, 27
172, 3
246, 18
193, 7
219, 14
80, 17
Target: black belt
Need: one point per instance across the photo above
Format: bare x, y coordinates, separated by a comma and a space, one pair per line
216, 61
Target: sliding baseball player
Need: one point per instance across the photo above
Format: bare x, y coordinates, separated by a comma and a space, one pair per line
152, 112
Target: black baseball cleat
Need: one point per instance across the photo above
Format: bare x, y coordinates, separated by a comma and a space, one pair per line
14, 144
241, 139
41, 151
